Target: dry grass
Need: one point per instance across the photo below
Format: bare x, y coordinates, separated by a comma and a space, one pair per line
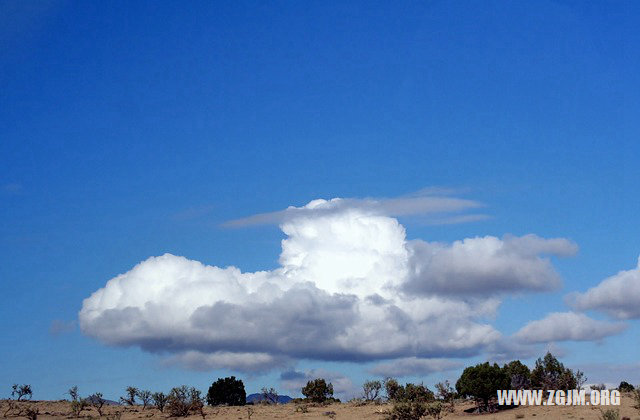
62, 410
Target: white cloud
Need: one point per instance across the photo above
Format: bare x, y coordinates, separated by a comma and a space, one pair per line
413, 366
340, 294
485, 265
618, 295
567, 326
243, 362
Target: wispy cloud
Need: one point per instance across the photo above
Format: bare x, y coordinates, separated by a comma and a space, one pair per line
424, 202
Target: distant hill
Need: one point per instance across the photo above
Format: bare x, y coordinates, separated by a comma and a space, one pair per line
256, 398
91, 400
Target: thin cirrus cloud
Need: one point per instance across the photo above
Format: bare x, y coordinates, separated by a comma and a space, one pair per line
347, 277
567, 326
425, 202
618, 295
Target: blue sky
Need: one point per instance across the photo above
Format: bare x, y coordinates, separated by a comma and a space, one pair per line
131, 130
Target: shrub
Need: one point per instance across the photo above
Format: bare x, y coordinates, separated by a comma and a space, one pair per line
73, 393
436, 410
184, 400
481, 382
636, 398
625, 387
97, 402
32, 413
420, 393
159, 400
228, 391
393, 389
21, 391
609, 414
408, 411
447, 394
318, 390
371, 390
270, 396
130, 399
549, 373
598, 387
145, 397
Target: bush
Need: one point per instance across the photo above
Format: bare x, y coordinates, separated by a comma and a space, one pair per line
609, 414
371, 390
393, 389
447, 394
318, 390
228, 391
481, 382
97, 402
625, 387
21, 391
130, 399
407, 393
549, 373
145, 397
159, 400
184, 400
270, 395
408, 411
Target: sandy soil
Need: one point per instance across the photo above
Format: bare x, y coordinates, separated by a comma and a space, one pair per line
62, 410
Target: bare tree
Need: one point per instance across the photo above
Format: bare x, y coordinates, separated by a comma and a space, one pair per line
371, 390
130, 399
145, 397
270, 395
21, 391
97, 401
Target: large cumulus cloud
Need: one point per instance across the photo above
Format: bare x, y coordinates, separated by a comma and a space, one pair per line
350, 287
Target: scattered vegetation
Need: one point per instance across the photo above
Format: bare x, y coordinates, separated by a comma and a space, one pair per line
318, 390
77, 403
97, 402
183, 401
159, 400
447, 394
145, 397
269, 395
609, 414
130, 399
371, 390
229, 391
21, 391
625, 387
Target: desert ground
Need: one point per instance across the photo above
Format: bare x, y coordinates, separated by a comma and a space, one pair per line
62, 410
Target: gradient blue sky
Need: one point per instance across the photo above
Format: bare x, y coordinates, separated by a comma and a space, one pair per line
131, 129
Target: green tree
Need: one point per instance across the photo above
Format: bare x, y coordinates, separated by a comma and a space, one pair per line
481, 382
549, 373
318, 390
228, 391
519, 374
625, 387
